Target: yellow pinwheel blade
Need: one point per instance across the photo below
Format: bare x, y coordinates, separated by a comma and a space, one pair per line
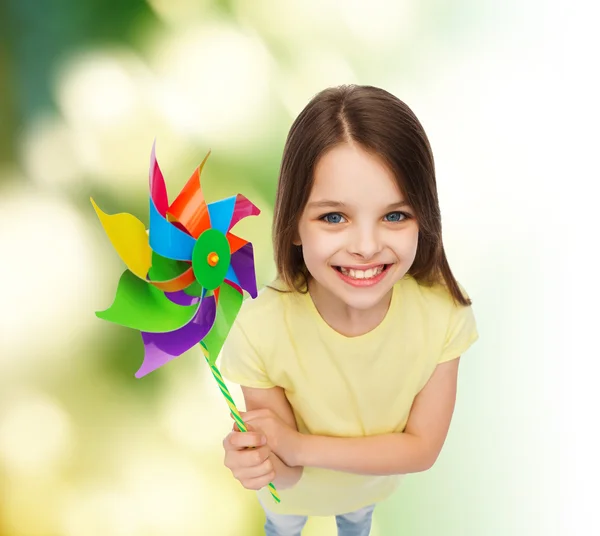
129, 238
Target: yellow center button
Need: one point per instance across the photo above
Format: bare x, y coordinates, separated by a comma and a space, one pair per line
213, 259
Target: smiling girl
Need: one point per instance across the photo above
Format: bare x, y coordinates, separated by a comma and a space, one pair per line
348, 362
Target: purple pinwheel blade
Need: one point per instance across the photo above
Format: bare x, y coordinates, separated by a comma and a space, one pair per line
160, 348
242, 263
181, 298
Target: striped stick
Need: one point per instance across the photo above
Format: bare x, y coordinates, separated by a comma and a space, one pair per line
234, 411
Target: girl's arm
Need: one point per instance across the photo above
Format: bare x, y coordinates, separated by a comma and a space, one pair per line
416, 449
274, 399
413, 450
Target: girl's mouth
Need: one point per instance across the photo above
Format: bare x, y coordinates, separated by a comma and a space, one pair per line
362, 278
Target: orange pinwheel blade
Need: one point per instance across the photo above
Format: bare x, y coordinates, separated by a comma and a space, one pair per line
235, 242
178, 283
189, 208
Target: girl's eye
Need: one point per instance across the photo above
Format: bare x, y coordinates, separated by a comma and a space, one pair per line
396, 216
333, 217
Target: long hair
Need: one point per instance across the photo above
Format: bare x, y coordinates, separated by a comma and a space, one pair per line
381, 124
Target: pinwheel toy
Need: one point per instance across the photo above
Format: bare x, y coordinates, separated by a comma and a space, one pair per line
185, 275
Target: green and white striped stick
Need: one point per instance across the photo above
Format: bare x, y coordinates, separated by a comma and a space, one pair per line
234, 411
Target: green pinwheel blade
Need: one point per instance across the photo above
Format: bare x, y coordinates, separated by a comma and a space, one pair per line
195, 289
164, 269
230, 302
139, 305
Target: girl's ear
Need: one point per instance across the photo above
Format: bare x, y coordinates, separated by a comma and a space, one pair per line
297, 241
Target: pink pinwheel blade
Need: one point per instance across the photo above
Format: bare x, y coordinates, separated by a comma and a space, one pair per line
160, 348
242, 263
158, 189
243, 208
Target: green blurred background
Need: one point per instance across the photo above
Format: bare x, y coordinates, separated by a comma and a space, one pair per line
86, 86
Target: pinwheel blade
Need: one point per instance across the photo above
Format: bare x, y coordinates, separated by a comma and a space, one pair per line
178, 283
195, 289
221, 213
167, 240
243, 209
228, 306
189, 208
141, 306
160, 348
170, 275
158, 189
181, 297
231, 276
235, 242
242, 264
164, 269
128, 236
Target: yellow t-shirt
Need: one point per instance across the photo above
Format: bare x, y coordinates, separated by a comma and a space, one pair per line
344, 386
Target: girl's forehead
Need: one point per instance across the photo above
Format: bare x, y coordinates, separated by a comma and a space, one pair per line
351, 169
355, 185
351, 157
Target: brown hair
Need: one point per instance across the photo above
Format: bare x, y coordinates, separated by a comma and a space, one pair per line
384, 125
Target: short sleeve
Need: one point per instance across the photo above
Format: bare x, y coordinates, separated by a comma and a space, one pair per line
240, 361
461, 333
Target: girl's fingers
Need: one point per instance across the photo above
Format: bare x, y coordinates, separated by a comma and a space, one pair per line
242, 440
254, 457
259, 483
257, 471
240, 460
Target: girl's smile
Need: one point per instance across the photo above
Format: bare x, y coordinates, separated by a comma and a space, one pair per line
362, 276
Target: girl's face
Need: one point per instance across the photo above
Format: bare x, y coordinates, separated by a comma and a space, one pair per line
358, 236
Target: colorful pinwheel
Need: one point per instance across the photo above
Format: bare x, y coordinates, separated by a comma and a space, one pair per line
185, 275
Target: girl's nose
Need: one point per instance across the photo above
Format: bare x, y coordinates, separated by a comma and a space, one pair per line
365, 243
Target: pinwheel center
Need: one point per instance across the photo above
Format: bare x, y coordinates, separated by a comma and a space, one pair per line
211, 258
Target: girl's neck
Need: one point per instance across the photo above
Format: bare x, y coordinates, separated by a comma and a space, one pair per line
345, 320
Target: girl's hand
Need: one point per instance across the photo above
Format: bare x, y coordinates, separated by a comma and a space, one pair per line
251, 466
281, 438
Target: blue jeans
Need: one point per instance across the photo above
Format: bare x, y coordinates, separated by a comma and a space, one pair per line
356, 523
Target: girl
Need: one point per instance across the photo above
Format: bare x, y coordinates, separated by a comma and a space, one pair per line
348, 362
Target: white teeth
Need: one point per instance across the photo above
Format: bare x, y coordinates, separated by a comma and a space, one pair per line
362, 274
